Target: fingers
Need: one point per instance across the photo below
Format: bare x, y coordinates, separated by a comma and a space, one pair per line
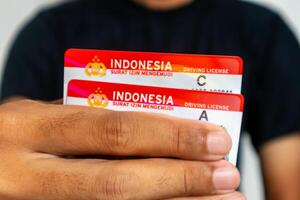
75, 130
59, 179
230, 196
69, 130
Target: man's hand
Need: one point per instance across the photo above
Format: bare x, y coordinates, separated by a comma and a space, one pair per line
52, 152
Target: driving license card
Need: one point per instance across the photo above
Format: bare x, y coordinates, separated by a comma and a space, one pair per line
182, 71
218, 108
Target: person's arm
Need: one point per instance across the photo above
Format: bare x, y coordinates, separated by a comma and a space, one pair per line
281, 168
274, 108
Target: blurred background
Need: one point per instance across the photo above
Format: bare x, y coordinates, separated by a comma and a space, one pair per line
15, 12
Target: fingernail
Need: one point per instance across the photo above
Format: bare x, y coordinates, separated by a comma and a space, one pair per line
218, 143
226, 178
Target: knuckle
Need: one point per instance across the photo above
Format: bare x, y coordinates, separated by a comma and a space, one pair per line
117, 130
196, 179
186, 138
179, 143
187, 176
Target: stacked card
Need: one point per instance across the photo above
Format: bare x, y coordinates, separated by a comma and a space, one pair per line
189, 86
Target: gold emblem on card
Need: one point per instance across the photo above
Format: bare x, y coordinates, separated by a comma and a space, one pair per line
95, 68
98, 99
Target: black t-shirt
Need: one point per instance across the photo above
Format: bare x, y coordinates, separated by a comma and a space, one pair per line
271, 53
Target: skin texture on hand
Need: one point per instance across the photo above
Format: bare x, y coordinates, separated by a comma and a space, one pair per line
56, 152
